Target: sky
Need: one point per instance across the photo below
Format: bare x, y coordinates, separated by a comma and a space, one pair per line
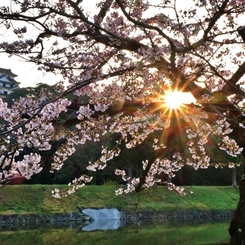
27, 73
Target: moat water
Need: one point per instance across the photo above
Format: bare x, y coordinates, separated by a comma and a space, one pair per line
146, 233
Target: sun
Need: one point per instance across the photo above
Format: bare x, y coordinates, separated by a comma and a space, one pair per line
175, 99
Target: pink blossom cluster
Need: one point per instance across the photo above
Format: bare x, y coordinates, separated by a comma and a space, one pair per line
119, 60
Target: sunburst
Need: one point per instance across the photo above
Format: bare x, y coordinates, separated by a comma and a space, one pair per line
175, 99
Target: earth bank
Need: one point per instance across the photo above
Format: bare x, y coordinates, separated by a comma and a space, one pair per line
37, 199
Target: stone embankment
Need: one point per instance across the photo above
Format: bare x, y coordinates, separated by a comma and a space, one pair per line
188, 216
32, 221
27, 221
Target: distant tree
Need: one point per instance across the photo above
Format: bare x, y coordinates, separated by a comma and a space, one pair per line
125, 58
234, 179
21, 92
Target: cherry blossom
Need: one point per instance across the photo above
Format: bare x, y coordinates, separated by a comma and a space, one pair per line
118, 59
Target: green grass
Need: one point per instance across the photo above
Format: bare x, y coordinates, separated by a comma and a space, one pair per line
37, 199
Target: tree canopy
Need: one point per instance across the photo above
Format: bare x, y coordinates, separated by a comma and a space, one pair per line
118, 60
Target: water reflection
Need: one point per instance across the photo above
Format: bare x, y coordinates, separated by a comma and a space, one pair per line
148, 233
103, 225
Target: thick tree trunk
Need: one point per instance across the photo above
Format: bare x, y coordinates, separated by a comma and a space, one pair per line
237, 225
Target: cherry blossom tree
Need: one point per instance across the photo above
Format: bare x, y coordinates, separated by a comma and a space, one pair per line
118, 60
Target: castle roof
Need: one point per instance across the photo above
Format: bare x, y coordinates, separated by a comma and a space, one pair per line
7, 79
7, 72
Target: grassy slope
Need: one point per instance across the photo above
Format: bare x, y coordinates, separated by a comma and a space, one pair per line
37, 199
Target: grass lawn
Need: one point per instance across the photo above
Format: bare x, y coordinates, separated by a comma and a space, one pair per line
37, 199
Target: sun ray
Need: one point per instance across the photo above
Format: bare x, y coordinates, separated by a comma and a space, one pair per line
175, 107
